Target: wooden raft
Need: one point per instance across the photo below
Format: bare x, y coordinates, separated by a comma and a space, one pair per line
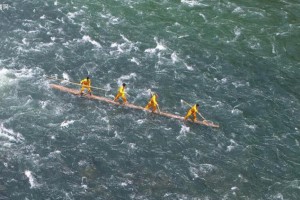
129, 105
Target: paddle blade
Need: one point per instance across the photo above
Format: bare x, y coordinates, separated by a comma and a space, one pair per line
182, 103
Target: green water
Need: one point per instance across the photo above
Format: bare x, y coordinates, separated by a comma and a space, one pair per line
238, 60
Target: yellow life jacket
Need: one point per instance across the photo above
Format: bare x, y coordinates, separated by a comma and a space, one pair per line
122, 90
153, 99
86, 82
194, 109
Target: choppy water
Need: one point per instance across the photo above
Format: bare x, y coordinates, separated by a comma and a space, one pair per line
238, 59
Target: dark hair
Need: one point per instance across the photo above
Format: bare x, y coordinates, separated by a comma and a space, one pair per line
197, 105
87, 77
124, 84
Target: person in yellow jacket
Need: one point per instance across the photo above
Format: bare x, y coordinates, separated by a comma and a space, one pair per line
121, 93
86, 84
193, 111
152, 103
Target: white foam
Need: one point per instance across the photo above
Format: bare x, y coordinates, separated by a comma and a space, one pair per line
188, 67
273, 48
87, 38
183, 36
148, 92
62, 21
123, 184
119, 48
253, 43
126, 77
111, 19
71, 15
66, 123
83, 28
10, 134
117, 136
206, 168
203, 16
59, 57
219, 104
297, 142
135, 60
237, 31
231, 146
174, 57
32, 180
4, 80
236, 111
132, 146
252, 127
54, 154
125, 39
69, 196
107, 87
140, 121
238, 84
294, 184
44, 104
278, 196
184, 129
114, 44
105, 119
167, 194
222, 81
82, 163
238, 10
192, 3
159, 47
114, 20
257, 13
24, 41
84, 186
66, 76
243, 179
151, 50
194, 172
41, 46
202, 170
126, 46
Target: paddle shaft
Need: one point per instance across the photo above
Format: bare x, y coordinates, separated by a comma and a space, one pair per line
75, 83
158, 108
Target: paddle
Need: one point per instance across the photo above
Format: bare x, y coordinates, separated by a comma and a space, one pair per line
53, 78
158, 108
191, 107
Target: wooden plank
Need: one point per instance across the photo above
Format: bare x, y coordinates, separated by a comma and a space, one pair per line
129, 105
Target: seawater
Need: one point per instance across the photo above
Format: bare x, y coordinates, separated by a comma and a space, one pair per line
238, 59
